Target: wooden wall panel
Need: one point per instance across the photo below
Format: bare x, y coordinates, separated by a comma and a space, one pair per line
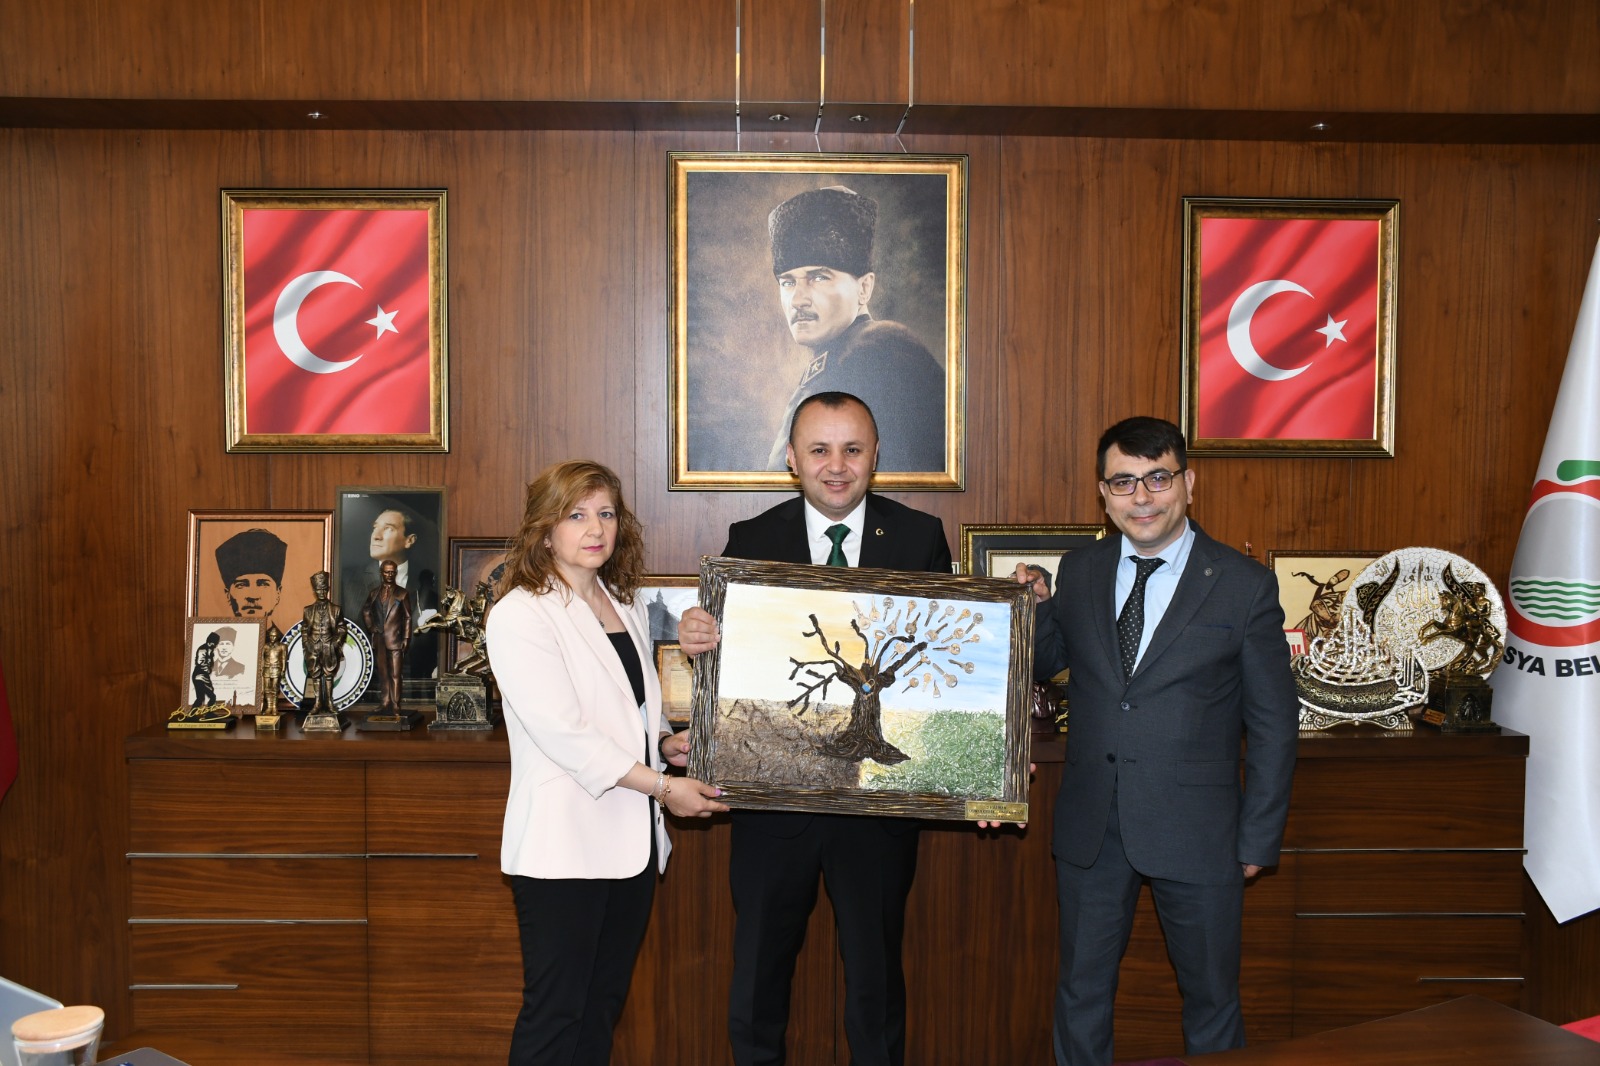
370, 50
111, 391
1430, 56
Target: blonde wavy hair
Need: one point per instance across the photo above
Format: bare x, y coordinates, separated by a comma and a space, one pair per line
551, 497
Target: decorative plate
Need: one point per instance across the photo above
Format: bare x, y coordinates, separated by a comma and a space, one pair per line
1422, 601
351, 680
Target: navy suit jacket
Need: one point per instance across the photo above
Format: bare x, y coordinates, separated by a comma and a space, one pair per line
1166, 741
893, 537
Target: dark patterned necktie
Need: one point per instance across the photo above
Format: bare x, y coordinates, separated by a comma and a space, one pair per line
1130, 623
837, 534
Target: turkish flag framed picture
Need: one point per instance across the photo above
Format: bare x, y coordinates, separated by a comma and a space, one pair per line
334, 320
1288, 326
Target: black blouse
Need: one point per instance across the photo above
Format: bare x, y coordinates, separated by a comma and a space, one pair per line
630, 663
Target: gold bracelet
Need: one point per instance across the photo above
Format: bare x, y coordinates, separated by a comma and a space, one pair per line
661, 787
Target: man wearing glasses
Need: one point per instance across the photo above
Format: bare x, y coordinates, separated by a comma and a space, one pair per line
1176, 648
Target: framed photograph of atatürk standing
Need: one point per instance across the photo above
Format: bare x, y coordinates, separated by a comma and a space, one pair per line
865, 691
796, 274
334, 320
404, 526
1289, 326
256, 566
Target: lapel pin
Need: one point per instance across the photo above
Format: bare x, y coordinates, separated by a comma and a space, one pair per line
878, 532
1208, 571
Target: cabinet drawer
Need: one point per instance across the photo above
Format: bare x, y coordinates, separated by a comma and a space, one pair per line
182, 805
1415, 882
300, 988
267, 887
1421, 803
436, 808
1350, 970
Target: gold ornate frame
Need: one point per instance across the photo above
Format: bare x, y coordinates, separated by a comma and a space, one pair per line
1199, 210
240, 438
745, 385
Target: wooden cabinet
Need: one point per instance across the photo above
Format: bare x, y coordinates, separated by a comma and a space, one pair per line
342, 898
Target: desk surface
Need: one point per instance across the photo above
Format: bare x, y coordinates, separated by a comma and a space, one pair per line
1470, 1031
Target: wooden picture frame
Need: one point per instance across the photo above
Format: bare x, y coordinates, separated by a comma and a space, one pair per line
306, 368
666, 597
255, 565
359, 510
937, 730
1288, 333
472, 560
235, 673
1311, 588
748, 340
985, 546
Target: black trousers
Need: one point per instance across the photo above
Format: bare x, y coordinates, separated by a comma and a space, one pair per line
1202, 925
580, 938
868, 865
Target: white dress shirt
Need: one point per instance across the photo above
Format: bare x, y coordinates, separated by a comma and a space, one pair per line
1158, 587
821, 545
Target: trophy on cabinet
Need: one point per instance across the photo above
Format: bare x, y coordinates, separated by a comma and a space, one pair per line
1460, 697
323, 631
274, 660
463, 689
386, 616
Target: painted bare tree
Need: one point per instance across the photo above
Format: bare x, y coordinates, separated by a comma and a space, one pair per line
882, 636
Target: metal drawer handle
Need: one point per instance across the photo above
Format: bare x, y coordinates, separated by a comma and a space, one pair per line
183, 988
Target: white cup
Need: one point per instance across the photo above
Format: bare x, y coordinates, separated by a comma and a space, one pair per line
65, 1036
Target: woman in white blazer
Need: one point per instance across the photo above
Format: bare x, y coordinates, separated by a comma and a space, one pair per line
584, 837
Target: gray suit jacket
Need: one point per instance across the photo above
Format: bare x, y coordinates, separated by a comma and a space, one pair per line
1166, 742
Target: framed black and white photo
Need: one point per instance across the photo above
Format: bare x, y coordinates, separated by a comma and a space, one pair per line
405, 526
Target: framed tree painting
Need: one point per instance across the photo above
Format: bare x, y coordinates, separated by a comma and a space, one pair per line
334, 320
865, 691
794, 274
1289, 326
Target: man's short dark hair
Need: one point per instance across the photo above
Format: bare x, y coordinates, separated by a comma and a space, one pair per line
832, 401
255, 551
1143, 437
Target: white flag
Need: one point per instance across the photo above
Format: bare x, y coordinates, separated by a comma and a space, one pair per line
1549, 684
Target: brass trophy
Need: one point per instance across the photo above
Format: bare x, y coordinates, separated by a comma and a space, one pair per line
274, 660
386, 616
322, 637
204, 712
463, 691
1459, 694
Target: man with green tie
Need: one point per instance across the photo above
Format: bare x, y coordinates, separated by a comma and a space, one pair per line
776, 857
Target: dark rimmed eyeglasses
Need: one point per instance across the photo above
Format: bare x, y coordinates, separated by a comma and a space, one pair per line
1154, 481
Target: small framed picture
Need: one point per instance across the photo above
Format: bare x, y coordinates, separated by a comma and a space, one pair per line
995, 550
474, 561
334, 313
864, 691
222, 663
1289, 326
1298, 645
677, 683
1312, 584
667, 596
405, 526
256, 565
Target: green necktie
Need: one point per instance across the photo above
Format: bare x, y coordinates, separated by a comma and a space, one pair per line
837, 534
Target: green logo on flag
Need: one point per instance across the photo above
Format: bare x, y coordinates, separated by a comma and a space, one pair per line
1554, 601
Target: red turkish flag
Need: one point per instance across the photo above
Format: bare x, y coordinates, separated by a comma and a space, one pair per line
336, 321
1288, 329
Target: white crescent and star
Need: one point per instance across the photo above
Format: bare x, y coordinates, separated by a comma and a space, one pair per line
286, 321
1244, 311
